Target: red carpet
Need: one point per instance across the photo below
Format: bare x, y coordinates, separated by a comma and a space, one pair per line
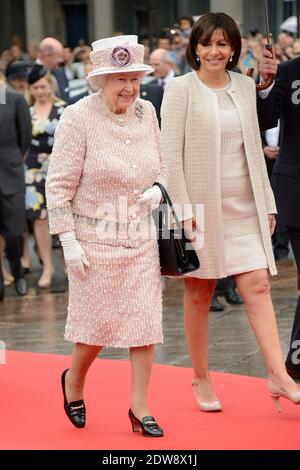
32, 415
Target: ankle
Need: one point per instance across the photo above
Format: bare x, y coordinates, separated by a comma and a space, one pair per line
74, 392
47, 269
74, 381
278, 376
25, 262
283, 381
139, 410
201, 378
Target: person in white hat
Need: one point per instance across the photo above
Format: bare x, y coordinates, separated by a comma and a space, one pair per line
100, 196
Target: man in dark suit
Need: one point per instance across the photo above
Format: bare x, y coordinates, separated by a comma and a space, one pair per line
164, 67
153, 93
283, 101
280, 237
15, 138
51, 56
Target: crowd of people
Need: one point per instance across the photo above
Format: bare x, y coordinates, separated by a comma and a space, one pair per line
70, 158
66, 84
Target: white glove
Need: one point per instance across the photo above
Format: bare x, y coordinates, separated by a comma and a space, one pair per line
74, 254
150, 198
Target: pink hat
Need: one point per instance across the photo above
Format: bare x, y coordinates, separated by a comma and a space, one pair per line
118, 54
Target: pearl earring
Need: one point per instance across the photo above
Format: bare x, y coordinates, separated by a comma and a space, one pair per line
198, 60
231, 58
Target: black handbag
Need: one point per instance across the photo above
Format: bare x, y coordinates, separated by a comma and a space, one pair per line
175, 258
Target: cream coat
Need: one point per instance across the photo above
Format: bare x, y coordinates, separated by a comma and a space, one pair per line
191, 145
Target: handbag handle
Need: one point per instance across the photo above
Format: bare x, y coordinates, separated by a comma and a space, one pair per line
166, 199
178, 240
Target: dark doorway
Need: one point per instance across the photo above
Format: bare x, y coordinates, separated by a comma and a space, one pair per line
76, 23
12, 17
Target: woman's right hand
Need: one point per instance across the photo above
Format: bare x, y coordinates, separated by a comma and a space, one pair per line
271, 152
189, 226
74, 255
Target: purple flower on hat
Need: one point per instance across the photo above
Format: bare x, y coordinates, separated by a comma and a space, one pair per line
121, 55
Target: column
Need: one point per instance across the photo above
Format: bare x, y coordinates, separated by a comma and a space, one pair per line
33, 21
104, 24
232, 8
253, 15
12, 22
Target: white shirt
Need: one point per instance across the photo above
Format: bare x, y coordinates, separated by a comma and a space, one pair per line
163, 81
272, 136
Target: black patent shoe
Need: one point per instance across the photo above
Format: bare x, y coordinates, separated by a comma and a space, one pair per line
148, 426
216, 306
232, 297
75, 410
21, 286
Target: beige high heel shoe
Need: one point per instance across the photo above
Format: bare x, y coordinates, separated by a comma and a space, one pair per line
45, 279
8, 278
277, 392
214, 405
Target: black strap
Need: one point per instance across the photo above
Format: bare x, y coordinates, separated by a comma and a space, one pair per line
167, 200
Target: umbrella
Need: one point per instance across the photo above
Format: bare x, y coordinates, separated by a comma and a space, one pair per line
290, 25
268, 46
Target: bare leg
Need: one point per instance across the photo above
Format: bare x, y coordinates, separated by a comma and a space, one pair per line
82, 358
197, 301
43, 239
25, 258
141, 366
254, 287
7, 277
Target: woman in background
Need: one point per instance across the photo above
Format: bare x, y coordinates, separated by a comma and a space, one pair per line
45, 110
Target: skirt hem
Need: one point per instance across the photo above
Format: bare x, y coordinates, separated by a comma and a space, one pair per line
115, 345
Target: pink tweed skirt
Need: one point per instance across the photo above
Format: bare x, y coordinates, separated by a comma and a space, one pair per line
119, 303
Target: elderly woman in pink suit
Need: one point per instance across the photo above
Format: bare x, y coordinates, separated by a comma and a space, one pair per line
100, 194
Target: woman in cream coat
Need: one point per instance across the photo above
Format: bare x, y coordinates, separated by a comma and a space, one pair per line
211, 140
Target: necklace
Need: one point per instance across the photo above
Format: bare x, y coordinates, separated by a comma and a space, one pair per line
120, 119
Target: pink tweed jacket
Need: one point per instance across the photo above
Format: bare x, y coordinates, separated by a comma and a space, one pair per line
97, 166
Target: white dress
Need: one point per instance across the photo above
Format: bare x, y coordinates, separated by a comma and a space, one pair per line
244, 250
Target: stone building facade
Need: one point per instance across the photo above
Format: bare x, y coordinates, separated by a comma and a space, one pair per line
70, 20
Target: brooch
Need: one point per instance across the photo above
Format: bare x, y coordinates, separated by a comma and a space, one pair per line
139, 110
121, 55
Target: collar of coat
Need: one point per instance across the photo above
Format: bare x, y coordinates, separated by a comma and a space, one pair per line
231, 89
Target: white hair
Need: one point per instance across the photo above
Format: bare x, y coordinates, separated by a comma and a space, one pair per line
98, 81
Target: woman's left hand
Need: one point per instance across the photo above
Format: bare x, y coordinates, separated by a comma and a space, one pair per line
272, 223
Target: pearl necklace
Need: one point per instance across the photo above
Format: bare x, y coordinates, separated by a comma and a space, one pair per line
120, 119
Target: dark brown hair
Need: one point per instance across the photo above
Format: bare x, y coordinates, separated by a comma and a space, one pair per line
203, 30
